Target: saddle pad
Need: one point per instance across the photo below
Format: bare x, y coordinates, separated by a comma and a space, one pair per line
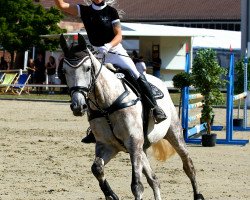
158, 94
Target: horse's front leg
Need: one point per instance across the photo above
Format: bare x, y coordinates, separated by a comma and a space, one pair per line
136, 161
103, 156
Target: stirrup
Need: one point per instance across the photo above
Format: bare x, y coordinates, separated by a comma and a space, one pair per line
158, 115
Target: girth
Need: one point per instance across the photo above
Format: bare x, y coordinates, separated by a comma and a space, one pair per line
117, 105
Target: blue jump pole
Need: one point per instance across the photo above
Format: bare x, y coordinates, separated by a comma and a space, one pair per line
229, 113
230, 93
230, 105
245, 117
185, 110
185, 94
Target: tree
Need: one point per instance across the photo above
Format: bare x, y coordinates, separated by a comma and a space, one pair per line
239, 72
22, 22
207, 77
181, 80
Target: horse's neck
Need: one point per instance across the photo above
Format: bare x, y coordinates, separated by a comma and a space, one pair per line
107, 89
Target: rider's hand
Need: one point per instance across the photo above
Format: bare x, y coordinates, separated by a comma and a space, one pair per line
105, 49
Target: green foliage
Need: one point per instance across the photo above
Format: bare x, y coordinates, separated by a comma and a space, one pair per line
239, 73
207, 78
22, 22
182, 80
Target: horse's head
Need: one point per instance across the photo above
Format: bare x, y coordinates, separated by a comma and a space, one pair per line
78, 72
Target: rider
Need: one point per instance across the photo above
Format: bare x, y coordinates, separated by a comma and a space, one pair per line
103, 27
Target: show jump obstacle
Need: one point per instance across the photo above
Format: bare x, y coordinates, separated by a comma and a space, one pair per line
192, 135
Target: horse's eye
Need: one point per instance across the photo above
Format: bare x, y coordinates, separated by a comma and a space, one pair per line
88, 69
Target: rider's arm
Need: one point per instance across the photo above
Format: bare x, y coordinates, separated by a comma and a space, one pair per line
118, 33
66, 7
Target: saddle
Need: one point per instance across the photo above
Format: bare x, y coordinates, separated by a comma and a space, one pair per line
130, 81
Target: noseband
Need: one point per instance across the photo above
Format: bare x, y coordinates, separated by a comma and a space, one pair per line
75, 63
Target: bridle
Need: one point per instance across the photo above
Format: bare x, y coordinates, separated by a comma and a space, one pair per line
75, 63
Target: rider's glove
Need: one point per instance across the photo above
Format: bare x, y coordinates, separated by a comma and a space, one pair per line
105, 49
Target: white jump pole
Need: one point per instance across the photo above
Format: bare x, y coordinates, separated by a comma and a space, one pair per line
245, 90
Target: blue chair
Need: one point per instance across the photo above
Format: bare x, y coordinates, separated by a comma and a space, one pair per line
1, 76
20, 83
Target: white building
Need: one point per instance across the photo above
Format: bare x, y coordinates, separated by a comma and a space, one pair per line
172, 43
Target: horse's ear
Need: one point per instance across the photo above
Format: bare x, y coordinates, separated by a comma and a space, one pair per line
82, 42
63, 44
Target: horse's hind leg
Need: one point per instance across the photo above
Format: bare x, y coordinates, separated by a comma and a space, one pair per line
175, 138
103, 156
151, 177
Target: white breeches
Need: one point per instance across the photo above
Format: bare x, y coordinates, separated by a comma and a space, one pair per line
120, 57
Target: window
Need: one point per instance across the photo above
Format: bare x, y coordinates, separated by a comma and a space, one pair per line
237, 27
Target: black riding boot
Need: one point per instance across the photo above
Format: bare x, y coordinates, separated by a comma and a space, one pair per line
90, 138
146, 90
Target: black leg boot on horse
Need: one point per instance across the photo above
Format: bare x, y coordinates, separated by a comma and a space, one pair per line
146, 90
90, 138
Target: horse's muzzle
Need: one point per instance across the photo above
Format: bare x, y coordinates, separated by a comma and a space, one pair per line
78, 110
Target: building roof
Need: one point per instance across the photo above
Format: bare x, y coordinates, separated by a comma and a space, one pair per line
217, 39
148, 30
169, 10
202, 38
138, 29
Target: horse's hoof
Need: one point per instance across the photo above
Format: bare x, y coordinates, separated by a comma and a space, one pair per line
112, 197
199, 197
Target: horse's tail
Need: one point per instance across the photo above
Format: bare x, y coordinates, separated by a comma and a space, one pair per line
162, 150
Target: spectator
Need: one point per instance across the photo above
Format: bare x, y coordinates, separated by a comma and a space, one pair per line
3, 64
135, 56
141, 66
31, 70
156, 65
39, 76
51, 71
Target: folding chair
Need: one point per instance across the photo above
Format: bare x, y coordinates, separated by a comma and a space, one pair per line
20, 83
1, 76
8, 79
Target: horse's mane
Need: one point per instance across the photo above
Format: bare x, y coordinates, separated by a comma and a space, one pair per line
106, 68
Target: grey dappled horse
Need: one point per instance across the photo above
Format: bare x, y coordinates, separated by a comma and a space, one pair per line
115, 117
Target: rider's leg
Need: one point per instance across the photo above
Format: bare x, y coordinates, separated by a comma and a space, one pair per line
122, 59
146, 90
